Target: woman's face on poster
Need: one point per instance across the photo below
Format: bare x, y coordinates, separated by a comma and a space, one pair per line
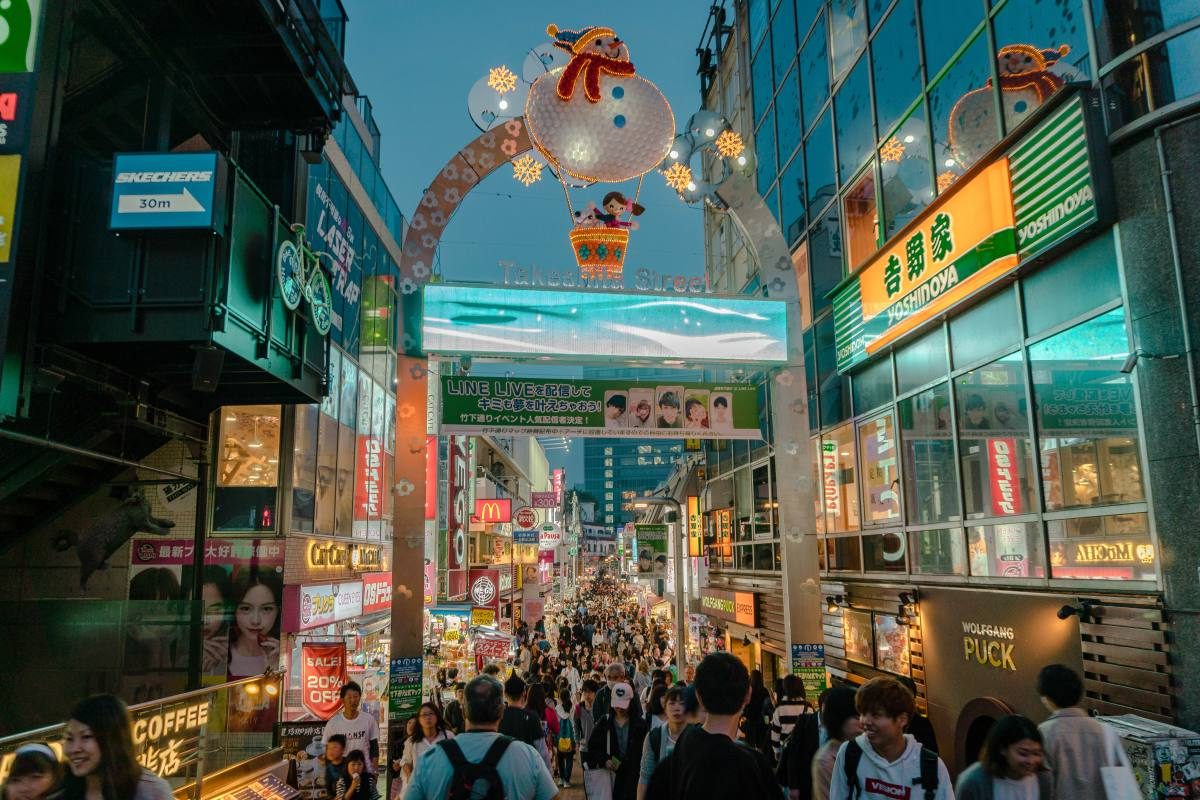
257, 612
214, 609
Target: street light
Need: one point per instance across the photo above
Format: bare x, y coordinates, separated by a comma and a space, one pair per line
641, 504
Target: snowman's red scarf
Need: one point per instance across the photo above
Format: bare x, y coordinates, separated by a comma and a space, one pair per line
590, 65
1043, 83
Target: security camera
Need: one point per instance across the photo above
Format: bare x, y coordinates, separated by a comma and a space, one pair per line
1131, 361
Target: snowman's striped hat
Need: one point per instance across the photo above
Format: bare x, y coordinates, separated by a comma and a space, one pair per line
575, 41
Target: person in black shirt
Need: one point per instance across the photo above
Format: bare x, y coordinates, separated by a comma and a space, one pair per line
708, 761
519, 722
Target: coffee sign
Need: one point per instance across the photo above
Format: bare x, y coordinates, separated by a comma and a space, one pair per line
335, 555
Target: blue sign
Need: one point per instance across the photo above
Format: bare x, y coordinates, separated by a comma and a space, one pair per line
166, 190
527, 537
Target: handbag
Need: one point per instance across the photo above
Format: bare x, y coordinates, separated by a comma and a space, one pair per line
1118, 778
598, 784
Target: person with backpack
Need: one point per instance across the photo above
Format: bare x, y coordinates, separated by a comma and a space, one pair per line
840, 720
883, 762
792, 705
566, 743
481, 764
795, 768
661, 741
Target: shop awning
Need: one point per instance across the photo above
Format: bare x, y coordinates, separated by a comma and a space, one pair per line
375, 623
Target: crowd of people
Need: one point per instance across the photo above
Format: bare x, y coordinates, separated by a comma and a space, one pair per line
596, 685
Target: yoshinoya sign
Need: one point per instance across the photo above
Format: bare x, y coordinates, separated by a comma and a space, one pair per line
590, 408
1039, 192
166, 190
731, 606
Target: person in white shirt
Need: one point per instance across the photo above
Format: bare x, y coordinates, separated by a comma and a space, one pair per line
361, 730
431, 729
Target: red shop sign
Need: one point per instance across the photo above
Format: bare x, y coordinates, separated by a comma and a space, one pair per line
322, 674
1002, 470
368, 488
377, 592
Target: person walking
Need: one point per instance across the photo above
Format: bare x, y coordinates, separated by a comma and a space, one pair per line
883, 761
536, 704
792, 705
616, 743
567, 743
660, 742
839, 717
1011, 765
101, 765
504, 768
1075, 745
756, 719
361, 730
430, 730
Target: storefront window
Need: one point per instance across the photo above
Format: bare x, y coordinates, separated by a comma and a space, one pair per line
931, 482
1114, 547
848, 19
839, 481
921, 362
1013, 550
304, 469
904, 165
825, 260
872, 386
766, 510
843, 554
1080, 281
834, 388
994, 441
896, 66
344, 504
859, 636
744, 557
327, 452
881, 484
247, 469
855, 132
938, 552
862, 218
764, 557
986, 329
961, 104
1087, 421
1030, 40
884, 553
818, 486
814, 76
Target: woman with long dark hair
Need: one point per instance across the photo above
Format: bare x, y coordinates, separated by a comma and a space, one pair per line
430, 730
98, 745
1010, 765
536, 703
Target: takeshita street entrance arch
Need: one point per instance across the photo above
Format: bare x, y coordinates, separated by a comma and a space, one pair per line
468, 167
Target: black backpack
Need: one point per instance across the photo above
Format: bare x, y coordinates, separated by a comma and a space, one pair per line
800, 745
929, 770
462, 782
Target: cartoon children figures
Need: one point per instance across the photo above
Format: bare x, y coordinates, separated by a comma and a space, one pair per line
615, 204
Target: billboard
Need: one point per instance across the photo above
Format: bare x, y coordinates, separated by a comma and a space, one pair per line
478, 320
459, 497
594, 408
651, 550
492, 509
166, 190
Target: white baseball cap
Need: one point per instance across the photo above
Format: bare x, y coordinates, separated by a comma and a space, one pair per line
622, 695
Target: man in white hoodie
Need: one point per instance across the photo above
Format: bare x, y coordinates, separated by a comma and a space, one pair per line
883, 762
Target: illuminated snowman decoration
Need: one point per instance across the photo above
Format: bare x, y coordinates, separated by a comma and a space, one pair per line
596, 120
1028, 76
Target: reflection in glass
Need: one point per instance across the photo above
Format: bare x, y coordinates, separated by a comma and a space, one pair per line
758, 13
818, 157
859, 636
862, 219
344, 507
1156, 78
1087, 422
907, 179
814, 78
931, 488
921, 362
994, 440
791, 198
854, 131
1013, 550
848, 18
787, 115
838, 480
843, 553
938, 552
800, 267
834, 388
762, 83
327, 450
764, 151
1042, 45
881, 473
891, 644
984, 329
963, 112
1115, 547
304, 469
818, 486
884, 553
896, 65
946, 25
872, 385
1121, 24
783, 37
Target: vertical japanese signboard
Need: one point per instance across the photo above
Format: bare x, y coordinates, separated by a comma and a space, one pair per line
459, 505
695, 523
368, 486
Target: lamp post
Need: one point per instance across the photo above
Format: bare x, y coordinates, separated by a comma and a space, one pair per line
641, 504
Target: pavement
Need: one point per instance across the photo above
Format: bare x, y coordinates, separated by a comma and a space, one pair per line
573, 793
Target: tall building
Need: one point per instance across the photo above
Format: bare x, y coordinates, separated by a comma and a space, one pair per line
986, 212
616, 470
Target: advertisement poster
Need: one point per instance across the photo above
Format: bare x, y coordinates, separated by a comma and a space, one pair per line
860, 643
483, 617
533, 609
404, 689
891, 645
1003, 474
545, 500
302, 742
314, 605
808, 662
322, 674
590, 408
245, 575
334, 225
695, 526
651, 550
430, 590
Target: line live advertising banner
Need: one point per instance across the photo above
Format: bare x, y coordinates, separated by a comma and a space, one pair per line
1042, 191
585, 408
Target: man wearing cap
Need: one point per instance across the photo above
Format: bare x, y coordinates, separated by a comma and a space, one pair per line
616, 742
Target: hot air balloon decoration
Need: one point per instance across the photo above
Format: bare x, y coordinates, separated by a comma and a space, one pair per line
597, 121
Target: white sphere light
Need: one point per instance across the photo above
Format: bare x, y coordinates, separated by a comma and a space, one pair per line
503, 104
691, 187
675, 154
709, 132
741, 161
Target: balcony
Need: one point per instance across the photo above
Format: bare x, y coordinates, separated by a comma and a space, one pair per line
159, 304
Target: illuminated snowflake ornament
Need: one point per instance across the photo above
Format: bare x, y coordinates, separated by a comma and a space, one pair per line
678, 176
945, 179
502, 79
527, 170
892, 150
730, 144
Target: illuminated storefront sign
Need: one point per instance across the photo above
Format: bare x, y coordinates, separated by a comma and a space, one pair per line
166, 737
1114, 553
558, 479
321, 604
327, 554
474, 320
695, 526
459, 518
484, 588
1027, 200
544, 500
732, 606
493, 510
368, 484
377, 592
1002, 470
166, 190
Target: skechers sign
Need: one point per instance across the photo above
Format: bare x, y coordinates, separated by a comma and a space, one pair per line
166, 190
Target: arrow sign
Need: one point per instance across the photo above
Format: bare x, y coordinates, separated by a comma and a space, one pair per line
159, 203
